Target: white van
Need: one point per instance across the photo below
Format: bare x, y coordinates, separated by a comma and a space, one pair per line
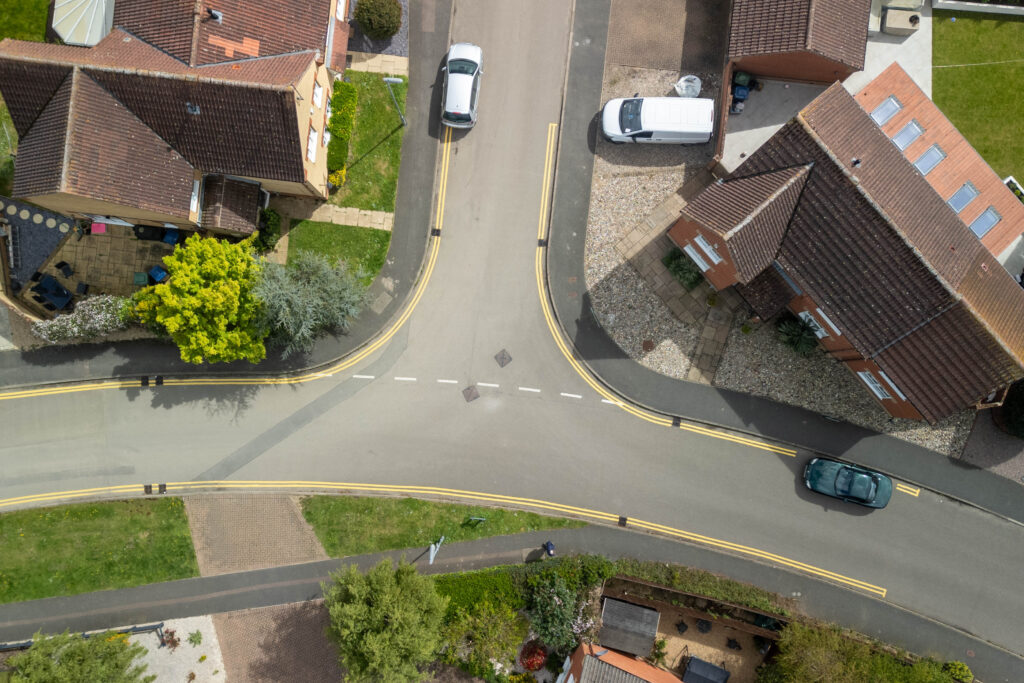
664, 120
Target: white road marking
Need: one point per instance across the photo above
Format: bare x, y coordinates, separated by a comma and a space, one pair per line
362, 377
571, 395
530, 389
405, 379
487, 384
448, 381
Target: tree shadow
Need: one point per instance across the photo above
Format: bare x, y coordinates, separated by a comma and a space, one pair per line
295, 647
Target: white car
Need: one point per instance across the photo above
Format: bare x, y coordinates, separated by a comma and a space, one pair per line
664, 120
461, 91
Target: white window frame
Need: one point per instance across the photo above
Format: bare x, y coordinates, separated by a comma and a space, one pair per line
931, 151
874, 385
911, 126
989, 212
893, 385
696, 258
809, 318
889, 107
828, 321
966, 187
708, 249
327, 138
318, 94
311, 143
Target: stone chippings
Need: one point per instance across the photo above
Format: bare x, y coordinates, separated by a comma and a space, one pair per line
628, 182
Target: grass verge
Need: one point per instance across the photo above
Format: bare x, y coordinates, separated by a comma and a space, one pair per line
375, 152
977, 95
72, 549
363, 249
348, 525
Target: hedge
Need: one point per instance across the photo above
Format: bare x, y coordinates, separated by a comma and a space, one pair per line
343, 116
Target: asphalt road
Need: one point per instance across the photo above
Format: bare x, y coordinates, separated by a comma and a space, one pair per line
538, 429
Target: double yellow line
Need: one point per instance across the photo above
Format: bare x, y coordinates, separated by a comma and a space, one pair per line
182, 487
554, 329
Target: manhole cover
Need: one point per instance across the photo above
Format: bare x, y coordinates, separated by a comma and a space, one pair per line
503, 358
648, 345
470, 393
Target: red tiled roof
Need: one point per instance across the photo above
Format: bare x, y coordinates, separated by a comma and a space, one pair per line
962, 163
836, 29
230, 204
168, 24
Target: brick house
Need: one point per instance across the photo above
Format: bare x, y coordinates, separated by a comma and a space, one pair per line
863, 215
596, 664
185, 114
820, 41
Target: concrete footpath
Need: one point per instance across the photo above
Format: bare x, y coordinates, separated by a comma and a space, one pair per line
301, 582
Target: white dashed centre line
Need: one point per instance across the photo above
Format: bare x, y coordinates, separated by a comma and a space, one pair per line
530, 389
613, 403
487, 384
448, 381
405, 379
362, 377
571, 395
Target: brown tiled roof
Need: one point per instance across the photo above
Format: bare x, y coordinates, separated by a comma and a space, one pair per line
168, 24
230, 204
751, 214
105, 144
249, 28
767, 293
884, 256
836, 29
962, 163
39, 165
28, 87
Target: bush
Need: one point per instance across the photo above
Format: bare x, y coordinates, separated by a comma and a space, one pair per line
959, 671
486, 637
94, 317
467, 589
683, 269
533, 656
269, 231
552, 612
107, 657
797, 334
379, 19
343, 117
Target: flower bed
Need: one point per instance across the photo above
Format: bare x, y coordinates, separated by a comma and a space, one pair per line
1015, 187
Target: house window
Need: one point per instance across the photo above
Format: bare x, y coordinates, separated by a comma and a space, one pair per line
340, 13
828, 321
708, 249
693, 254
962, 197
311, 144
893, 386
907, 135
789, 281
930, 159
318, 94
327, 137
886, 110
985, 222
193, 206
874, 385
819, 331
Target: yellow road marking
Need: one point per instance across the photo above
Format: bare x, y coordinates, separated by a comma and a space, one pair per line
553, 328
462, 494
296, 379
911, 490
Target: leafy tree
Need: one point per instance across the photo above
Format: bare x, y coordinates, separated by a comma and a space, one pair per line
552, 611
483, 634
306, 299
208, 306
386, 623
379, 19
70, 658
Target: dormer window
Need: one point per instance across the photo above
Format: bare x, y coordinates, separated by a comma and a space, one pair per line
886, 110
930, 159
907, 135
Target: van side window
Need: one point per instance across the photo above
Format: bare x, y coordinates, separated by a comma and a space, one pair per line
643, 135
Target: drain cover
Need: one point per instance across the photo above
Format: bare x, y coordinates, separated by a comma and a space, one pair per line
648, 345
470, 393
503, 358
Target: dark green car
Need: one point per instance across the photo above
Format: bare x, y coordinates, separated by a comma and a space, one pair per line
848, 482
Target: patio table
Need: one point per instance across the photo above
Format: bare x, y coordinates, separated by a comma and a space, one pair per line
54, 292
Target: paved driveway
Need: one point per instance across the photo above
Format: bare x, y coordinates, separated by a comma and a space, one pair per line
646, 34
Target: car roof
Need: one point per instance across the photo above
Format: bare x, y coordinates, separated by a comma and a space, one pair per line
672, 113
466, 51
457, 96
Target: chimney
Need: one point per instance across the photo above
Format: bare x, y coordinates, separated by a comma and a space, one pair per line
216, 15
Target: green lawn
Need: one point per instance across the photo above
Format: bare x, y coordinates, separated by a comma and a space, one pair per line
349, 525
375, 151
981, 100
72, 549
362, 248
24, 20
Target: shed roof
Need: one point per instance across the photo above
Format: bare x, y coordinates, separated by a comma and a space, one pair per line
628, 627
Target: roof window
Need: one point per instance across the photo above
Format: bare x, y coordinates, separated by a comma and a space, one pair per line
907, 135
962, 197
985, 222
930, 159
886, 110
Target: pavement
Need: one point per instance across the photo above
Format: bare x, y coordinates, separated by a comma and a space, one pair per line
301, 583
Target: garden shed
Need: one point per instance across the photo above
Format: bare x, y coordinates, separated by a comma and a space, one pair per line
628, 628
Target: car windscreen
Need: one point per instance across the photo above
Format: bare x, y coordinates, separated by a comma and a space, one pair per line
629, 116
456, 117
461, 66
